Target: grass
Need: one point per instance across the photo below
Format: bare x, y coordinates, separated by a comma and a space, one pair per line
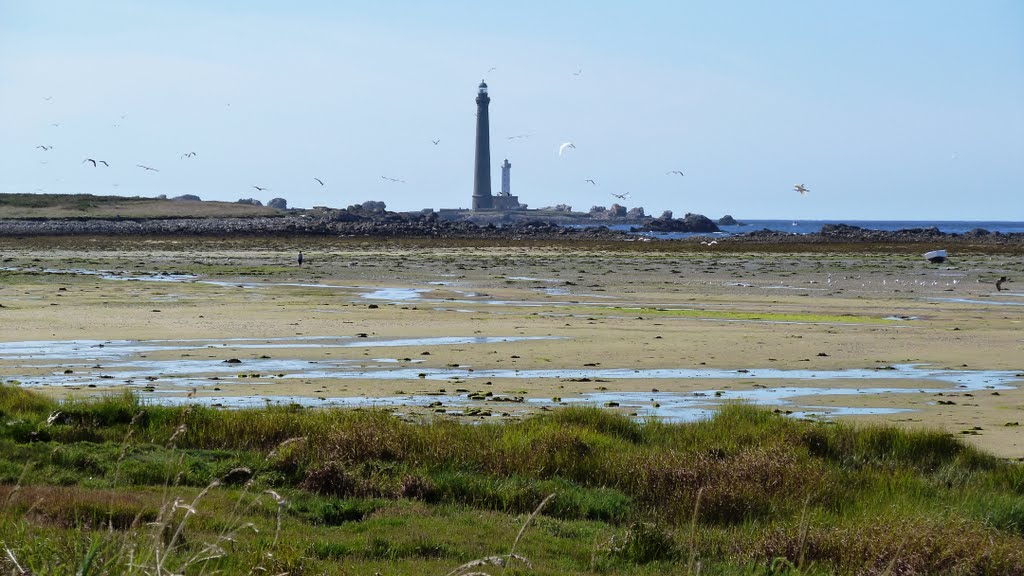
43, 206
118, 486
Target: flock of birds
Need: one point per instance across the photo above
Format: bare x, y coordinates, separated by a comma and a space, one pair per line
562, 151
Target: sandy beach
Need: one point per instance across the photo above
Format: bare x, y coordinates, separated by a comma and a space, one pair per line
499, 332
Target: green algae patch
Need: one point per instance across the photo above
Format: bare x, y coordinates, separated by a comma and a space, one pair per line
730, 315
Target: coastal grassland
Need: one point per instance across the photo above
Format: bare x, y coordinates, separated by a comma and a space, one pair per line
112, 485
57, 206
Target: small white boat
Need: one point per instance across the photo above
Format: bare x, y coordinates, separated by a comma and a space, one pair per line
936, 256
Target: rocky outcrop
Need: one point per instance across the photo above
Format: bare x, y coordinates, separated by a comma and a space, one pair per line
688, 223
279, 203
728, 220
324, 222
250, 201
187, 198
845, 233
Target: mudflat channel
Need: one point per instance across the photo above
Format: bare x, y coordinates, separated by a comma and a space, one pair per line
488, 332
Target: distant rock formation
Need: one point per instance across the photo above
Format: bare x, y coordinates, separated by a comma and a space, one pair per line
688, 223
558, 208
637, 212
368, 206
728, 220
279, 203
666, 215
187, 198
250, 201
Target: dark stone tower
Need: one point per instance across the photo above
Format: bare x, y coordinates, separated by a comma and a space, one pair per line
482, 199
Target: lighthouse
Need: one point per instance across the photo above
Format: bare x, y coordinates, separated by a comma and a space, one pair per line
482, 199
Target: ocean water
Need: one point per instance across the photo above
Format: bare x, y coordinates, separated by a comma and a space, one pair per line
814, 226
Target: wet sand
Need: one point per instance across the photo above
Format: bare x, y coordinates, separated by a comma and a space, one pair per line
731, 316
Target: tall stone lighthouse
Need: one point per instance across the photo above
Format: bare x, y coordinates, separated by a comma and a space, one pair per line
482, 199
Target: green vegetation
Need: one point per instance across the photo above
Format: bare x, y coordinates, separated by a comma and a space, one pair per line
751, 316
115, 486
45, 206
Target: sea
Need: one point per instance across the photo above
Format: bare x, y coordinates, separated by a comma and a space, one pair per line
814, 226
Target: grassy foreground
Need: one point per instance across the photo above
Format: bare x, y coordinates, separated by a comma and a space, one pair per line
114, 486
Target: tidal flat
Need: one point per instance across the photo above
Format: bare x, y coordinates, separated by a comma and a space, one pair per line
575, 361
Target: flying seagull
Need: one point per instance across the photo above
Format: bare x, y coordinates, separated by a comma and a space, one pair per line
436, 142
517, 136
393, 179
104, 162
591, 181
620, 196
564, 146
319, 180
800, 188
188, 155
578, 72
147, 168
44, 148
259, 188
680, 172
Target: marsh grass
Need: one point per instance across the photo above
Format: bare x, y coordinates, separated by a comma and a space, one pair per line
132, 485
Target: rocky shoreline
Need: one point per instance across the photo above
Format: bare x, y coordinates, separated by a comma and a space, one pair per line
428, 225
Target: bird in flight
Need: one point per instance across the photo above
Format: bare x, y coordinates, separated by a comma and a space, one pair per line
48, 98
393, 179
591, 181
261, 189
517, 137
144, 167
680, 172
104, 162
188, 155
491, 69
44, 148
578, 72
565, 146
621, 196
436, 142
319, 180
801, 189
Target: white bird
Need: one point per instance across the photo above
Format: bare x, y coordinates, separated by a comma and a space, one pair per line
591, 181
188, 155
620, 196
680, 172
44, 148
800, 188
259, 188
147, 168
393, 179
564, 147
319, 180
53, 417
436, 142
104, 162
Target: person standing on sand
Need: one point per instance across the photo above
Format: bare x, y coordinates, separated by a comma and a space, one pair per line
300, 259
999, 283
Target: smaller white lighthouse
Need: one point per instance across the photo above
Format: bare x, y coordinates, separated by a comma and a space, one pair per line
506, 178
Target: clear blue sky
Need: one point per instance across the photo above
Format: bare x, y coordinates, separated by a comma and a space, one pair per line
884, 110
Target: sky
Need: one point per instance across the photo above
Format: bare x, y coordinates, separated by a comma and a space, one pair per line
910, 110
